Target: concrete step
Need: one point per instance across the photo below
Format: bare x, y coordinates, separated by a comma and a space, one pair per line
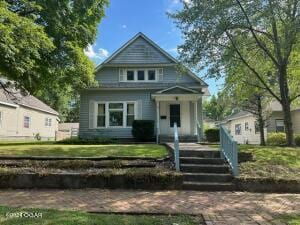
209, 186
200, 153
198, 160
207, 177
204, 168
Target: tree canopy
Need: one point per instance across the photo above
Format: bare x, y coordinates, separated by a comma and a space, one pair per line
42, 42
220, 34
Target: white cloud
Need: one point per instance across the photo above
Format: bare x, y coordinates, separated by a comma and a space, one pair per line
173, 51
124, 26
188, 2
101, 53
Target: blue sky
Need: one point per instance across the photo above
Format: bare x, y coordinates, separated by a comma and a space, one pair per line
125, 18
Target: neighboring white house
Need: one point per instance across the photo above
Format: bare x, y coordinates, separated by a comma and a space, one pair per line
25, 117
244, 128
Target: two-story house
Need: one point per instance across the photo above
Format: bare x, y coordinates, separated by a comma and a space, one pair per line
140, 81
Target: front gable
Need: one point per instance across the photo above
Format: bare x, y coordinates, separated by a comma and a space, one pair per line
140, 50
141, 53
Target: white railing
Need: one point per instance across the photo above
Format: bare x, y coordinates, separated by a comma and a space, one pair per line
198, 132
229, 150
176, 147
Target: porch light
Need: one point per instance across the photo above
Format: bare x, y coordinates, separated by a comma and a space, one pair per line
176, 98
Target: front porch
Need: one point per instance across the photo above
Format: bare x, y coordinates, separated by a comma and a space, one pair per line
182, 106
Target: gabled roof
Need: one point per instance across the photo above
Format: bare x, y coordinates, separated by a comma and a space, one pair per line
177, 90
14, 97
154, 45
138, 35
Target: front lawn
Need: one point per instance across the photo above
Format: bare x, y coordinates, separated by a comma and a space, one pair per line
290, 219
52, 149
271, 162
55, 217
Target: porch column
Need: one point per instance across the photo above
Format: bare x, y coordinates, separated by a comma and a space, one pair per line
200, 118
196, 118
157, 122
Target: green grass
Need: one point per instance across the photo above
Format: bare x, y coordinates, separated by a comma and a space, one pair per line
290, 219
52, 149
271, 162
55, 217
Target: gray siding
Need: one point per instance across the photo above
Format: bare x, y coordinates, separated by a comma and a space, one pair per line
148, 111
111, 75
140, 51
271, 126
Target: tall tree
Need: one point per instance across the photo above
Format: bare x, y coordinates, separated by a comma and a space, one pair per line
217, 32
218, 107
42, 42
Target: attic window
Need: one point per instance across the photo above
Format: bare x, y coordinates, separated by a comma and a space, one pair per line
141, 75
130, 75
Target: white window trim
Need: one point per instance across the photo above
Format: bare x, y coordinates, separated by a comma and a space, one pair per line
106, 103
29, 122
48, 122
146, 71
281, 120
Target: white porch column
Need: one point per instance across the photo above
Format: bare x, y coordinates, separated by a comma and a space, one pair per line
197, 121
157, 122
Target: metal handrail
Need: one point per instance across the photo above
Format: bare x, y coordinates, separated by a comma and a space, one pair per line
176, 147
229, 150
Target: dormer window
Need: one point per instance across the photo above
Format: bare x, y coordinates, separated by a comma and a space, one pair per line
130, 75
141, 75
151, 75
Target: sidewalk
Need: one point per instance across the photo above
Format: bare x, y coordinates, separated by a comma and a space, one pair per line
216, 207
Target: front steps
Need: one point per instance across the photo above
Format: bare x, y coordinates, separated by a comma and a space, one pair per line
203, 168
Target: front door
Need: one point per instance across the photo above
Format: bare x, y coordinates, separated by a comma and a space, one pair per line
175, 115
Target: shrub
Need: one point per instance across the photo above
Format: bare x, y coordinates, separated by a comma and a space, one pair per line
297, 139
212, 135
276, 139
85, 141
143, 130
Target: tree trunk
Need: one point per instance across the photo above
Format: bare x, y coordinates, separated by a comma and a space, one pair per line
261, 122
286, 105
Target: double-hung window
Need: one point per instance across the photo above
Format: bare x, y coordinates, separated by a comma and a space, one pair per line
115, 114
130, 75
279, 125
238, 129
130, 114
141, 75
48, 122
246, 126
101, 115
26, 122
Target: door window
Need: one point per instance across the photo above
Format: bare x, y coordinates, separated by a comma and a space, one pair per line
175, 115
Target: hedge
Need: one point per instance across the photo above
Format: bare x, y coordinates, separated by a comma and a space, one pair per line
212, 135
143, 130
276, 139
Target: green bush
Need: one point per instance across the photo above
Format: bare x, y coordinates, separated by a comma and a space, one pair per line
276, 139
143, 130
212, 135
297, 139
86, 141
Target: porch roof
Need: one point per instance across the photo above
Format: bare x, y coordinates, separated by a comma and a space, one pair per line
177, 93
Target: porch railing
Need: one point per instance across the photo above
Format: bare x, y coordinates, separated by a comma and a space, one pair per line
229, 150
176, 147
198, 131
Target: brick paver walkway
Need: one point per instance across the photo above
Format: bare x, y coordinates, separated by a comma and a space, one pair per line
216, 207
